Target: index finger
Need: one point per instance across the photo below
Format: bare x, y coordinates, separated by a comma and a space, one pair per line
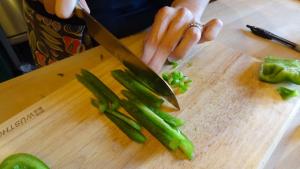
171, 38
159, 27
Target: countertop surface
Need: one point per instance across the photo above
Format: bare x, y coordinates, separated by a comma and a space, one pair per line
280, 17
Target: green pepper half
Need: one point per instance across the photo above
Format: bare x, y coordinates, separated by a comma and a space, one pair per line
22, 161
276, 70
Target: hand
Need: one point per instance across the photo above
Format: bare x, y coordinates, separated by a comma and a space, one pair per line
170, 35
63, 8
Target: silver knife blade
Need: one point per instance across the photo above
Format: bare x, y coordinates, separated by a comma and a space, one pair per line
130, 60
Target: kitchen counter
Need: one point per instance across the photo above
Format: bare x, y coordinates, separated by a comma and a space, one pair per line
19, 93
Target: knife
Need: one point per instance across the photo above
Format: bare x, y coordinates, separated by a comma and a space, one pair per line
130, 60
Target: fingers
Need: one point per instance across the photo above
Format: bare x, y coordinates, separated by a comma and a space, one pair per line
191, 37
159, 27
171, 38
64, 8
49, 6
211, 30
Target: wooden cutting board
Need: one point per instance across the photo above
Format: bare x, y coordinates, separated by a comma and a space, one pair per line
234, 120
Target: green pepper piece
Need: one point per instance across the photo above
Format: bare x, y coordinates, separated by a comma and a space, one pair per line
90, 87
287, 93
126, 119
168, 140
177, 80
137, 88
127, 129
181, 76
183, 89
170, 80
23, 161
276, 70
108, 102
187, 147
126, 124
102, 105
167, 135
176, 74
103, 108
171, 120
174, 64
101, 88
165, 76
187, 80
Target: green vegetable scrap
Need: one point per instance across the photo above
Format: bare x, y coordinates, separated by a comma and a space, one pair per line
177, 80
287, 93
22, 161
276, 70
174, 64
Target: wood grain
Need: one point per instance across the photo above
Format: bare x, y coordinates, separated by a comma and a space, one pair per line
231, 117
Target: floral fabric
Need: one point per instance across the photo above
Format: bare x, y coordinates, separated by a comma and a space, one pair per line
51, 40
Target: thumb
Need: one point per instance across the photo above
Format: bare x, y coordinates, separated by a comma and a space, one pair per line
64, 8
83, 5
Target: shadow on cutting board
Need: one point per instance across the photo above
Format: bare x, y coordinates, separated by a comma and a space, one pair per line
249, 79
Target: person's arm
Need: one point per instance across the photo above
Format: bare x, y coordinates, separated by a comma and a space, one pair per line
171, 34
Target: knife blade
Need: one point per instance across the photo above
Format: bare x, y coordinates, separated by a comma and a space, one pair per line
129, 59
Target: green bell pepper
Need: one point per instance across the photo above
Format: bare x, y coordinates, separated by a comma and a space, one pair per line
22, 161
276, 70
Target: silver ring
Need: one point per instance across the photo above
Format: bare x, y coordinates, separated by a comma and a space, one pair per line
196, 25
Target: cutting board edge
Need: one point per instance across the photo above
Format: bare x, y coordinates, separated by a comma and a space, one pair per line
278, 138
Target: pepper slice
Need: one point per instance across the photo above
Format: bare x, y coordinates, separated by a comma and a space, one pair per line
22, 161
287, 93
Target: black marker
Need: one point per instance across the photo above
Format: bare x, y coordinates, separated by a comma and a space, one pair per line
269, 35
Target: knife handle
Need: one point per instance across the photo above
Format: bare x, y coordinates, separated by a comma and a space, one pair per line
79, 10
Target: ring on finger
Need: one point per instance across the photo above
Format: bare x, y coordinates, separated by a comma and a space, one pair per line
196, 25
